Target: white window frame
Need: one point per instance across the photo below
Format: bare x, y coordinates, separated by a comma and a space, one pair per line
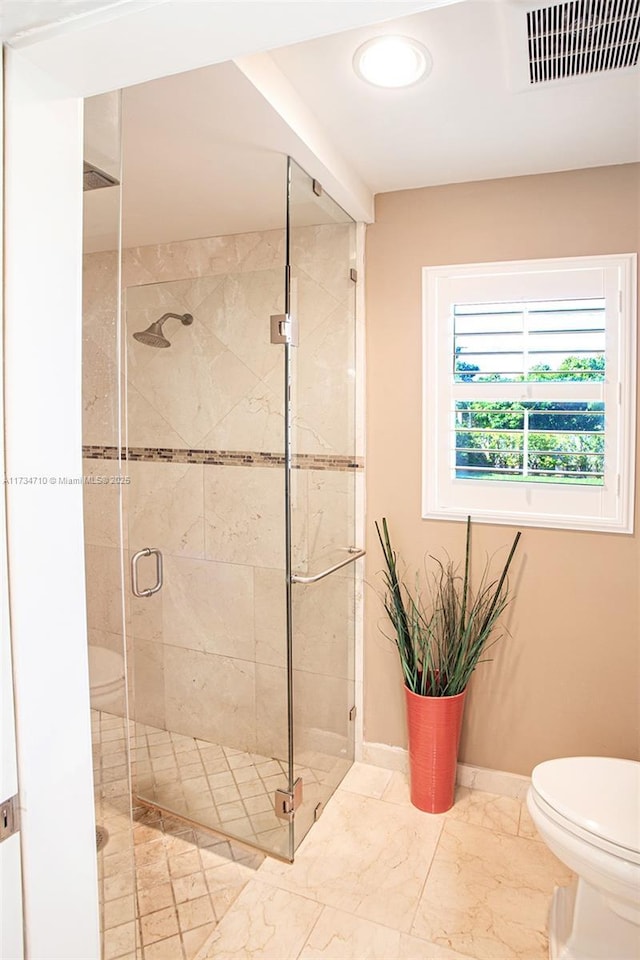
571, 506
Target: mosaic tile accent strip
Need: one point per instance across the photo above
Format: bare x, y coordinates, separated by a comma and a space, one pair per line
317, 461
229, 458
99, 453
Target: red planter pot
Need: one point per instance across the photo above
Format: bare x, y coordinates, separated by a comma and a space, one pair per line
434, 725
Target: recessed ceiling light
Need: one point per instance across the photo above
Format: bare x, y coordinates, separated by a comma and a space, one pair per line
392, 61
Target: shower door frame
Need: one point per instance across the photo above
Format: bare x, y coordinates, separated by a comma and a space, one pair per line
291, 342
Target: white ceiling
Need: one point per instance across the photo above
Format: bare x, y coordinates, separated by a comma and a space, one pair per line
19, 17
472, 118
203, 151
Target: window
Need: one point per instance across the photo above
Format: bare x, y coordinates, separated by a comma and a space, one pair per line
529, 392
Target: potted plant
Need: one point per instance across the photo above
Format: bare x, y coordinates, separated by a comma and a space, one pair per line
441, 633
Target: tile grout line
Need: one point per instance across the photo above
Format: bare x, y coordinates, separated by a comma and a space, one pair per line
522, 803
424, 883
323, 907
174, 753
209, 897
244, 806
173, 896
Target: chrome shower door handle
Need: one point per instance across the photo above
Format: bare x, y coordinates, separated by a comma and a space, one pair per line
147, 552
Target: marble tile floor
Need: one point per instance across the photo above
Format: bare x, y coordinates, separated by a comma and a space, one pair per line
378, 879
375, 878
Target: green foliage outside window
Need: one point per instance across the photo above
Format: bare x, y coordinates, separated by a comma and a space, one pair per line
540, 441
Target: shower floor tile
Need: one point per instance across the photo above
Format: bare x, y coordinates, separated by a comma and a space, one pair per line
221, 787
163, 886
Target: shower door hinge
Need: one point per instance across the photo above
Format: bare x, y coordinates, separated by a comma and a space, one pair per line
287, 803
317, 188
353, 274
284, 329
352, 713
9, 817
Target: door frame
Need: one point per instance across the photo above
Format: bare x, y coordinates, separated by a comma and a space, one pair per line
11, 932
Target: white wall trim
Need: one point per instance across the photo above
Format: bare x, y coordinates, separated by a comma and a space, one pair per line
344, 185
69, 21
384, 755
43, 430
360, 485
493, 781
11, 913
500, 782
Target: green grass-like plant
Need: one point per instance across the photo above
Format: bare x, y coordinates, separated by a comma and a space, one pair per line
442, 632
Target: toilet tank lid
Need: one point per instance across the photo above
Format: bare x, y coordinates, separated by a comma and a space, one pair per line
599, 794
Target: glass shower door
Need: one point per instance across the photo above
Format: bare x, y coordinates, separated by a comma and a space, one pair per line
240, 519
324, 477
206, 549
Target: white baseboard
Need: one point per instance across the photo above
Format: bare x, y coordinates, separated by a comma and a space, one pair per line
476, 778
493, 781
383, 755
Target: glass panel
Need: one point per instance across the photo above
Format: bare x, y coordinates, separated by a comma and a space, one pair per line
321, 253
205, 441
103, 474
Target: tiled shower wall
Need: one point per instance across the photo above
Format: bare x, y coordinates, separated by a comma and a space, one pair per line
208, 651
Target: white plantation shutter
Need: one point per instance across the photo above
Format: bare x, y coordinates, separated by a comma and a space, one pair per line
543, 438
529, 392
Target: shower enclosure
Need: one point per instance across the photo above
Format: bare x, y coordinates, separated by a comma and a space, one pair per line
240, 520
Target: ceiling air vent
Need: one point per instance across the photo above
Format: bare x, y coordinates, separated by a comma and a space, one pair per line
582, 37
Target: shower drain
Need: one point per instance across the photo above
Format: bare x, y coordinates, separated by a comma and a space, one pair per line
102, 837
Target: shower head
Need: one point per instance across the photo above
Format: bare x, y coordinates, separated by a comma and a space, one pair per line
94, 179
153, 335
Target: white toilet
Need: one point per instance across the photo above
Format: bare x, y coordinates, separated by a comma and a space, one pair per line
587, 810
106, 679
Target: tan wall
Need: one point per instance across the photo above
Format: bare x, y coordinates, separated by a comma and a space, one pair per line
567, 681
